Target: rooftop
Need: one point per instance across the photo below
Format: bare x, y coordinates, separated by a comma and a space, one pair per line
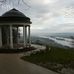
14, 15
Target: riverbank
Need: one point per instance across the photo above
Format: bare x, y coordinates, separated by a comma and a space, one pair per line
52, 41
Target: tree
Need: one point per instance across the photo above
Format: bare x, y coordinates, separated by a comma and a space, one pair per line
2, 2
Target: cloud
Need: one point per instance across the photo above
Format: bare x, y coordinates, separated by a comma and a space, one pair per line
47, 15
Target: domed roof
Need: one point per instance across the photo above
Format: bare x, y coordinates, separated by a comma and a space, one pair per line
14, 15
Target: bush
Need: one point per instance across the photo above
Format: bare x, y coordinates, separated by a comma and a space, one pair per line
47, 47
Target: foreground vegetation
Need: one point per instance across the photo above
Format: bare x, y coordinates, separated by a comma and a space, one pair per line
53, 58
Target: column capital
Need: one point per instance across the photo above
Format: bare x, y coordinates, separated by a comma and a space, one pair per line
26, 25
29, 25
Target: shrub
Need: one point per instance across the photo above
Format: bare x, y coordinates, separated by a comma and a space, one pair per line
47, 47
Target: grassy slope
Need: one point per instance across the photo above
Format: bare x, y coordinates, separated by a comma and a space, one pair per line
55, 55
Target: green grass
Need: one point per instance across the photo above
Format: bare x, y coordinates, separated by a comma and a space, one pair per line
52, 57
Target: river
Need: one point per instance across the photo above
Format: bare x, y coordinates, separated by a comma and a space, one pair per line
63, 41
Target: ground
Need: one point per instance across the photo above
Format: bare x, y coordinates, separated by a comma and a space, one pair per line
12, 64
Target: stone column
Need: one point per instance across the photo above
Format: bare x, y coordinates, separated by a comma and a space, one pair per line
17, 35
29, 38
11, 37
7, 33
0, 37
25, 35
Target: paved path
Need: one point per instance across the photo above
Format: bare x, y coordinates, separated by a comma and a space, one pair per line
12, 64
38, 48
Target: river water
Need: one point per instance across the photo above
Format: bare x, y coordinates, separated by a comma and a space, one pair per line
63, 41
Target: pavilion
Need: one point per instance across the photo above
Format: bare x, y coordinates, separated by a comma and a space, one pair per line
13, 19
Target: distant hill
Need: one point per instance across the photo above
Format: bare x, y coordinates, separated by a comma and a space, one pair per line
67, 35
64, 34
45, 41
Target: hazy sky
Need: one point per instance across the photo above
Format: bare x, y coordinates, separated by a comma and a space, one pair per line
46, 15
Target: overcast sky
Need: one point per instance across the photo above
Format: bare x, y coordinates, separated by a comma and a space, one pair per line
47, 16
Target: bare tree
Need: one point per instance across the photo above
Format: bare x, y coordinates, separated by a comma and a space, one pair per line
2, 2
